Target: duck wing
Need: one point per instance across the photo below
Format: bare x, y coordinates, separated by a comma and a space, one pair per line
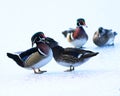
71, 30
76, 56
68, 58
72, 52
79, 53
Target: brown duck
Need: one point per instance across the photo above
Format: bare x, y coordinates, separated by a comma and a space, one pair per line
104, 37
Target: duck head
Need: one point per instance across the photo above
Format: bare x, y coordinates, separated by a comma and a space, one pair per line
103, 31
81, 22
51, 42
37, 37
40, 37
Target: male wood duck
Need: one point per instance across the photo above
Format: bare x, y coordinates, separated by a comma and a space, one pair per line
77, 37
69, 57
36, 57
104, 37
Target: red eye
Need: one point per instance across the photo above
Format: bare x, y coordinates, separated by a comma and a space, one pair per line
42, 36
82, 23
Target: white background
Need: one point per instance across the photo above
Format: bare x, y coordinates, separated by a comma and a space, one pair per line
20, 19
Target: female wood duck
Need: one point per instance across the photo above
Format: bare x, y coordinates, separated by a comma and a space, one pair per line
77, 37
69, 57
36, 57
104, 37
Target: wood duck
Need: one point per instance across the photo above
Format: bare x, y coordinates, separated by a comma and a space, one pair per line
104, 37
35, 57
69, 57
77, 37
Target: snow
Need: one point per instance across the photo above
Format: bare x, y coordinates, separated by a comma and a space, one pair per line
19, 20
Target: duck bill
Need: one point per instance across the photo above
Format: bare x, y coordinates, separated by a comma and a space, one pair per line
33, 44
85, 25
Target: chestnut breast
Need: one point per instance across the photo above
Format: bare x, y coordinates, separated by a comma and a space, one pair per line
44, 48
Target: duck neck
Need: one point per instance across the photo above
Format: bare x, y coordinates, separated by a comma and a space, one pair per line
57, 51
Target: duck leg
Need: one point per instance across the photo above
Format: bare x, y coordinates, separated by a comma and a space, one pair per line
39, 71
71, 69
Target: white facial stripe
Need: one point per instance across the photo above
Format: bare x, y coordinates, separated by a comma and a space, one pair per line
42, 52
71, 35
79, 55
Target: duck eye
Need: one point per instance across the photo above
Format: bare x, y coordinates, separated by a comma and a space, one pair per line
47, 41
38, 39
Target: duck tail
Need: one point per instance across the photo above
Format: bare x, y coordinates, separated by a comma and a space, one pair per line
16, 58
90, 54
65, 33
115, 33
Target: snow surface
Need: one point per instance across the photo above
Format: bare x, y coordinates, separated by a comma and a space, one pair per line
20, 19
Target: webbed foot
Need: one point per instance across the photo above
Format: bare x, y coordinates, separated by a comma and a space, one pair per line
39, 71
71, 69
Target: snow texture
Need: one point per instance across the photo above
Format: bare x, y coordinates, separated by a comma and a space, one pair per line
20, 19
